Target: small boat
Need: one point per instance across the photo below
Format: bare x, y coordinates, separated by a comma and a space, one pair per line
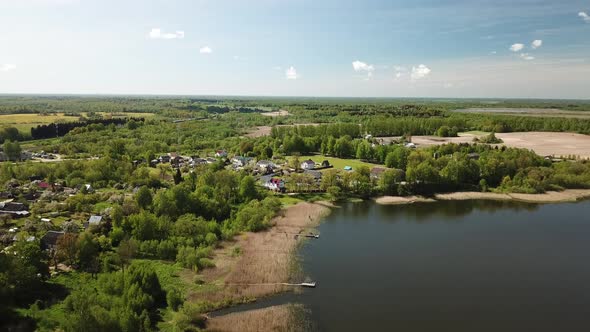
308, 284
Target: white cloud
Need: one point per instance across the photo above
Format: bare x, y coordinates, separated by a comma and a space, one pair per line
448, 85
584, 16
277, 68
516, 47
536, 44
157, 33
526, 56
205, 50
420, 72
7, 67
493, 52
291, 73
360, 66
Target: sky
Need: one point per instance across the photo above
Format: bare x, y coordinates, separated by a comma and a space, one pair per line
336, 48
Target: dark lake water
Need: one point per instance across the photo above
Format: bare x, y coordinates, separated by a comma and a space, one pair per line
451, 266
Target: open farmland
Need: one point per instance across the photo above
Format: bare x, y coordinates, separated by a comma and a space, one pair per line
24, 122
537, 112
542, 143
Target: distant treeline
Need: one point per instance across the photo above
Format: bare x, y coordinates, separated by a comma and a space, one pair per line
383, 125
60, 129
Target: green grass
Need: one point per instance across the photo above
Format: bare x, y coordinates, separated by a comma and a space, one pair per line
339, 163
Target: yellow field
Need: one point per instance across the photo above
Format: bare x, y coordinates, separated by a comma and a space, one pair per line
24, 122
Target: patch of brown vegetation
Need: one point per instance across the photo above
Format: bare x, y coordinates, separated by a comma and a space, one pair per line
276, 113
259, 131
276, 318
263, 259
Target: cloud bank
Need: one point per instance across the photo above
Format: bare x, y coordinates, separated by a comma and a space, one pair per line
420, 72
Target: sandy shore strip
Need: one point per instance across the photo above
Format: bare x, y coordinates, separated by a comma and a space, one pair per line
275, 318
255, 264
569, 195
400, 200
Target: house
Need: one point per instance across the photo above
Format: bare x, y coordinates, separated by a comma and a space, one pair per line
176, 160
308, 164
195, 161
43, 185
348, 168
88, 188
211, 160
275, 184
93, 221
410, 145
239, 161
317, 175
325, 164
50, 239
377, 172
265, 166
13, 209
220, 154
164, 159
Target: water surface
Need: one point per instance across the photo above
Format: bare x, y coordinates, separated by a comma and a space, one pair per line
451, 266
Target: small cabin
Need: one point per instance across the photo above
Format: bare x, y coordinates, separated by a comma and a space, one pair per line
308, 164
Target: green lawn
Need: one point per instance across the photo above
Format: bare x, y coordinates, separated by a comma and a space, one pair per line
339, 163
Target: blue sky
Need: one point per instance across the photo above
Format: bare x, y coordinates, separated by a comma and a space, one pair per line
409, 48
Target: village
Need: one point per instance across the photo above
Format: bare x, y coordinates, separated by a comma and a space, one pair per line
41, 206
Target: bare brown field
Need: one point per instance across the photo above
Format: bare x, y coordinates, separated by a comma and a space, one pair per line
276, 113
277, 318
265, 130
259, 131
556, 144
549, 143
263, 260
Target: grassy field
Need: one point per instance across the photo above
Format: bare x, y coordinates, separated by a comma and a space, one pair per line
340, 163
24, 122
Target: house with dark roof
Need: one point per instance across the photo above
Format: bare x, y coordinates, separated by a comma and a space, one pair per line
317, 175
308, 164
49, 240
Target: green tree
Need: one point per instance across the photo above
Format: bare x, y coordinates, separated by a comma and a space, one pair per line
88, 252
248, 190
144, 197
12, 150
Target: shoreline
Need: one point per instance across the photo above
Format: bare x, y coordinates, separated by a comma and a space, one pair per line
568, 195
266, 260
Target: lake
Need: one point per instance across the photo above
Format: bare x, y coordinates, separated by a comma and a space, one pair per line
451, 266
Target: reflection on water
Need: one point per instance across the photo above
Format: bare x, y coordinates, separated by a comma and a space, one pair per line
451, 266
